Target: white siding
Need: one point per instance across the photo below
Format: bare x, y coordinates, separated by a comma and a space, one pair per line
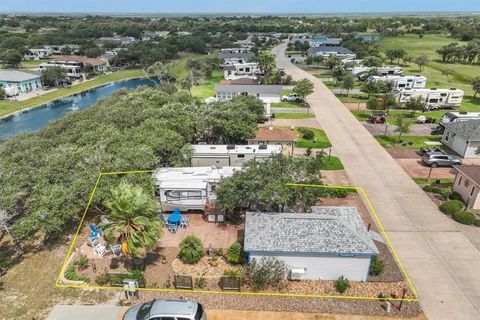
325, 267
210, 161
472, 148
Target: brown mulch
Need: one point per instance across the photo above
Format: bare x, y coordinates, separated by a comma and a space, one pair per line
203, 268
391, 271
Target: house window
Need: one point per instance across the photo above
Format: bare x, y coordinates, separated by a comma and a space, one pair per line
473, 190
459, 180
447, 136
240, 156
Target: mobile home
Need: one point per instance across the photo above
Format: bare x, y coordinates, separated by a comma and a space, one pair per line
362, 72
231, 155
241, 70
401, 82
188, 188
434, 98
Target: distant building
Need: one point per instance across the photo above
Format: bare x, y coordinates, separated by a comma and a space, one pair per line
230, 155
275, 136
467, 184
367, 37
235, 50
463, 137
241, 70
227, 59
15, 82
326, 244
119, 41
37, 53
98, 65
328, 51
57, 49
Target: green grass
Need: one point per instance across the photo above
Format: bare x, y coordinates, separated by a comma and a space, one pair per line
287, 115
207, 90
422, 181
332, 163
287, 105
286, 92
321, 143
417, 142
7, 107
324, 75
351, 98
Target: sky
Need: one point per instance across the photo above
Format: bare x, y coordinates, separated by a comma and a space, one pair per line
238, 6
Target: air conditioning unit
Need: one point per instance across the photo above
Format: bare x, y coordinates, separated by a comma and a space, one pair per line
297, 274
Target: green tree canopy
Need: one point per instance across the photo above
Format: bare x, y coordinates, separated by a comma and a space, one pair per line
303, 88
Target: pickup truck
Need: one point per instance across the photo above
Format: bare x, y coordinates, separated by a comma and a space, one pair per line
292, 97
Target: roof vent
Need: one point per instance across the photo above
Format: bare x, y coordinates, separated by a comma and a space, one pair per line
453, 88
231, 147
262, 147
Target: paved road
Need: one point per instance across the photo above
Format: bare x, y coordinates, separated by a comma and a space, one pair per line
443, 265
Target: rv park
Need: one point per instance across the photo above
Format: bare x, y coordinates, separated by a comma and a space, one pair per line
294, 172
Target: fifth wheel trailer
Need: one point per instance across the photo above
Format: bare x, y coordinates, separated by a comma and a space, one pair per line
231, 155
362, 72
434, 98
402, 82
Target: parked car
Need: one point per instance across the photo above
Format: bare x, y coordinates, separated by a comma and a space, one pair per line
376, 119
437, 130
166, 309
292, 97
440, 159
423, 119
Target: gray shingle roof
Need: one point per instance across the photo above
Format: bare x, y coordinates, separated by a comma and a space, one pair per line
469, 129
341, 50
325, 230
253, 89
16, 76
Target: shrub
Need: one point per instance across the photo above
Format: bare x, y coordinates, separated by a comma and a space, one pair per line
102, 279
219, 252
82, 262
191, 250
201, 282
456, 196
137, 275
445, 193
308, 135
452, 206
336, 193
477, 222
464, 217
231, 273
235, 253
269, 271
71, 274
342, 284
377, 266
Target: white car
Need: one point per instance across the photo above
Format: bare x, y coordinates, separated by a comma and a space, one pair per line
292, 97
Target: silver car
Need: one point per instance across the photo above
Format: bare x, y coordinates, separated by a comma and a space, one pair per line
166, 310
440, 159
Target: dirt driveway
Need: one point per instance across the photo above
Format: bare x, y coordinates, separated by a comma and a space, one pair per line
415, 129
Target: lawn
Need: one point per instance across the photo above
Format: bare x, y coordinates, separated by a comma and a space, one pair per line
207, 90
287, 105
7, 107
321, 143
408, 142
287, 115
351, 98
423, 181
332, 163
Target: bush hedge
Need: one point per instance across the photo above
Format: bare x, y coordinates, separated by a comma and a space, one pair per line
235, 253
464, 217
477, 222
342, 284
452, 206
137, 275
377, 266
308, 135
191, 250
71, 274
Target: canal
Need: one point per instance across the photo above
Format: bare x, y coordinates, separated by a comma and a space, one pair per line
37, 118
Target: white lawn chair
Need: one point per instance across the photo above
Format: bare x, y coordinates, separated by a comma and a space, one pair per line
116, 249
184, 222
99, 249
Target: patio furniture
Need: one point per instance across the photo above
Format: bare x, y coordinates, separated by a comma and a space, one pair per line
92, 241
116, 249
162, 217
173, 228
175, 217
96, 232
99, 249
184, 221
105, 220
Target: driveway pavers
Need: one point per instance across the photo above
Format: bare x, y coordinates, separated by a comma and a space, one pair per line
447, 287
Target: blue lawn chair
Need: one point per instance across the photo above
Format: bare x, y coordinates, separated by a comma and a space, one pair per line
95, 232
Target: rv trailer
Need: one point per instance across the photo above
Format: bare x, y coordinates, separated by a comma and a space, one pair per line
434, 98
402, 82
362, 72
231, 155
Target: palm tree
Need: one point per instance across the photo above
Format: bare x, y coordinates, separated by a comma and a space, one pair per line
133, 219
266, 62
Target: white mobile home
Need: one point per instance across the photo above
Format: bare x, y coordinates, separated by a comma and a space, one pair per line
227, 59
231, 155
241, 70
37, 53
362, 72
72, 69
402, 82
323, 245
434, 98
188, 188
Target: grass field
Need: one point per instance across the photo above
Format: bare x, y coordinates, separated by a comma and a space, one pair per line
321, 143
207, 90
408, 142
286, 115
332, 163
7, 107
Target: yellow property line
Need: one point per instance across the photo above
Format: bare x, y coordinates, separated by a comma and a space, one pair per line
100, 175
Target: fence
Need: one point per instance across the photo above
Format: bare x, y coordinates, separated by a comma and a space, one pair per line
183, 282
230, 283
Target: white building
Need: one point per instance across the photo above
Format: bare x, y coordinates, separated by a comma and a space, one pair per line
402, 82
57, 49
459, 116
227, 58
37, 53
231, 155
326, 244
463, 137
267, 93
329, 51
362, 72
235, 50
72, 69
188, 188
244, 70
434, 98
467, 184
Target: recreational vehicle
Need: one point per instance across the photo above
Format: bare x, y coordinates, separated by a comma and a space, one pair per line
434, 98
459, 116
188, 188
231, 155
241, 70
362, 72
401, 82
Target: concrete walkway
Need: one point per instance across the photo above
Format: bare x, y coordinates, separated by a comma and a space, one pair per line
442, 263
86, 312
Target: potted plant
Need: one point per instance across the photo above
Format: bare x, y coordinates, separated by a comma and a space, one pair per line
214, 261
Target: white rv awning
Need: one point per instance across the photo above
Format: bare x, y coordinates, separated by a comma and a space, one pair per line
184, 185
